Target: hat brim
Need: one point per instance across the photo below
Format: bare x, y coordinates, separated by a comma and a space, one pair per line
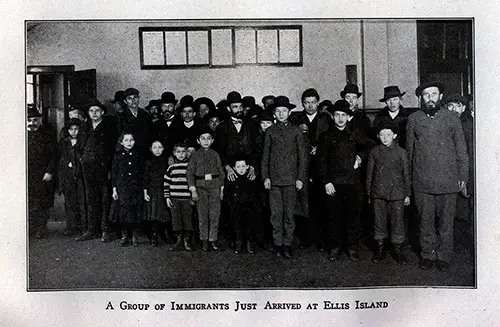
395, 95
343, 93
274, 106
420, 88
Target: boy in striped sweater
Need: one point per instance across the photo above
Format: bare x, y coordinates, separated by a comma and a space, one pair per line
178, 198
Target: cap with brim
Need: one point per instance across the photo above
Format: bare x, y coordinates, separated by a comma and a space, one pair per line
457, 98
153, 103
205, 130
388, 125
341, 105
233, 97
130, 91
168, 97
350, 88
73, 122
421, 87
391, 92
281, 101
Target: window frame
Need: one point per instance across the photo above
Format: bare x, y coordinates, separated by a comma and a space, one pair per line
209, 29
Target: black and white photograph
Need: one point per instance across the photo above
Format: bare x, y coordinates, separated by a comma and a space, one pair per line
254, 168
252, 154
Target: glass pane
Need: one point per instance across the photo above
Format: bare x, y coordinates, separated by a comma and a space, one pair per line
246, 51
267, 46
289, 46
176, 48
198, 47
152, 48
29, 92
222, 47
29, 78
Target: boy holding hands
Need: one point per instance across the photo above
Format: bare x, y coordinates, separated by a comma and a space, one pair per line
284, 164
388, 188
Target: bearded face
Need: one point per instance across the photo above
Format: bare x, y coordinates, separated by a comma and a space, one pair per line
33, 123
236, 110
431, 98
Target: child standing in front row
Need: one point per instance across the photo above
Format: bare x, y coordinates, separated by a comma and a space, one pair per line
284, 164
388, 187
127, 183
241, 195
156, 209
205, 176
178, 198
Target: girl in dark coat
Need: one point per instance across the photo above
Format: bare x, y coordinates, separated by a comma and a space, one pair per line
156, 209
127, 181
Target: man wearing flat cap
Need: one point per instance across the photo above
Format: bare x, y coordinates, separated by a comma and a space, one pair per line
41, 168
135, 120
340, 153
394, 113
439, 169
357, 119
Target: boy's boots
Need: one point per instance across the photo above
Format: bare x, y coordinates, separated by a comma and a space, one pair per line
124, 241
250, 247
238, 247
379, 252
399, 255
135, 238
154, 238
178, 245
187, 242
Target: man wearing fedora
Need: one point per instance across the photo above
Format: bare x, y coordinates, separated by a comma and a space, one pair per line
439, 169
358, 118
394, 113
41, 167
340, 151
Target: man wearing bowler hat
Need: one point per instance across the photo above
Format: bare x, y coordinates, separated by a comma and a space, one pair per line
340, 152
117, 102
394, 113
168, 102
439, 167
358, 119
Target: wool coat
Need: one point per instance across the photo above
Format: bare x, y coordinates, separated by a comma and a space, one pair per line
228, 142
437, 152
284, 157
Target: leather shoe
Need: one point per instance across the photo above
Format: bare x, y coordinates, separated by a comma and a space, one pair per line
442, 265
426, 264
85, 237
353, 254
287, 252
334, 254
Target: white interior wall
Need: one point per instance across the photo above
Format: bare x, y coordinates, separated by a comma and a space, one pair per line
112, 48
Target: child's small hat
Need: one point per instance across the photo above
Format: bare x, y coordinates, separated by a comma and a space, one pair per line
281, 101
388, 125
341, 105
73, 122
456, 98
266, 116
205, 130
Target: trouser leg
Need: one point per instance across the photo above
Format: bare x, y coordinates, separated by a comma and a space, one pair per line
289, 198
425, 204
396, 214
380, 223
276, 205
353, 205
202, 209
214, 213
445, 211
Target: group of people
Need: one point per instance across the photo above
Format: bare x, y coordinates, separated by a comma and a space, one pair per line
259, 175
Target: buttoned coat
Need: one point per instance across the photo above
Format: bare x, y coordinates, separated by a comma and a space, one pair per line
284, 157
228, 142
436, 151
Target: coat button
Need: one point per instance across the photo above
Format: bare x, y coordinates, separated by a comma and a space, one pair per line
129, 163
129, 174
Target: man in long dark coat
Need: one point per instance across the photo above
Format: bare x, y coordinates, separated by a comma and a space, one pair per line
41, 166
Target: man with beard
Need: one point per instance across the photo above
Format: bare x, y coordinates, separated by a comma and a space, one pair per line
235, 136
394, 113
41, 164
439, 167
167, 103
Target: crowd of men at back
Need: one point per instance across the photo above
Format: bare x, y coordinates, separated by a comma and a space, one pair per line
263, 174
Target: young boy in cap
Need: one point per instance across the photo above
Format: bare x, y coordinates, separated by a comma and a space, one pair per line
70, 176
205, 177
284, 163
388, 188
340, 153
